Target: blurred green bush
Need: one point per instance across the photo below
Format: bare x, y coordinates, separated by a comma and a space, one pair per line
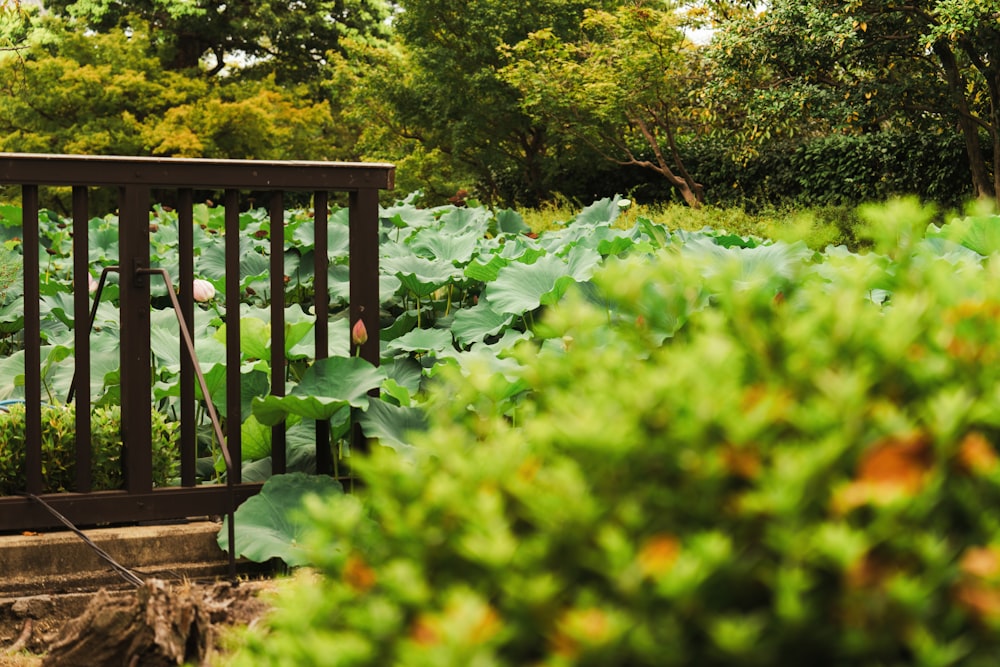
737, 457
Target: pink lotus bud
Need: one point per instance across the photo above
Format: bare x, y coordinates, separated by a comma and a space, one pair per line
359, 334
91, 283
202, 290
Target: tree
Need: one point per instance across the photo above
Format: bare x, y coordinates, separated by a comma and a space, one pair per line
291, 39
80, 92
625, 85
455, 102
819, 66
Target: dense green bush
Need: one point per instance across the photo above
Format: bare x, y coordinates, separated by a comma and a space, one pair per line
59, 448
835, 170
726, 457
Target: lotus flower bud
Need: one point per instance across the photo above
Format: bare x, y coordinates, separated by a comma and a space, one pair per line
91, 284
359, 333
202, 290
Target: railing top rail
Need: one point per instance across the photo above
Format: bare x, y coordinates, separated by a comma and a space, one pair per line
163, 172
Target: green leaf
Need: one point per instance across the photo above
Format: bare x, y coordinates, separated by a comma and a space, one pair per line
421, 340
255, 439
420, 276
268, 525
326, 387
473, 325
452, 248
392, 424
520, 288
511, 222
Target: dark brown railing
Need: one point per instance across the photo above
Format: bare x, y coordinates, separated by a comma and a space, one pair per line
135, 180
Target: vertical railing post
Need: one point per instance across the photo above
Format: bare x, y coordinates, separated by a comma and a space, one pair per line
363, 247
185, 272
321, 306
234, 357
32, 342
81, 337
136, 374
276, 207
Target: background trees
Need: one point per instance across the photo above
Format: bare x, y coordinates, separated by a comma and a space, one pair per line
521, 104
625, 85
821, 67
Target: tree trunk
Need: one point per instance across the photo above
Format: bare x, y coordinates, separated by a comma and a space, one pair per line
691, 192
158, 626
982, 184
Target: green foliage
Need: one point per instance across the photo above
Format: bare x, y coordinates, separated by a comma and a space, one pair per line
59, 448
448, 95
268, 524
291, 40
751, 455
823, 67
622, 85
106, 93
834, 170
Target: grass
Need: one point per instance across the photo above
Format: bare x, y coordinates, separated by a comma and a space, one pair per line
817, 227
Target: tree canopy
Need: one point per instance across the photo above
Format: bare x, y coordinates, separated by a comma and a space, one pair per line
626, 86
519, 103
825, 66
291, 39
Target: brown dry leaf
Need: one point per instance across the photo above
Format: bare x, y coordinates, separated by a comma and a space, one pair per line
867, 572
741, 461
358, 574
658, 555
424, 631
982, 562
891, 468
580, 627
976, 454
979, 590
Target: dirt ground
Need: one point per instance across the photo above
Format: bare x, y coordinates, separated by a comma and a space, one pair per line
67, 629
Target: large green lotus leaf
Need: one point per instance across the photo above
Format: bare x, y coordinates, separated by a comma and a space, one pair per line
486, 273
445, 247
392, 425
102, 244
420, 276
326, 387
520, 288
298, 324
255, 439
522, 248
654, 232
747, 267
510, 221
338, 236
406, 373
421, 340
473, 325
12, 376
212, 263
269, 524
978, 233
474, 221
604, 211
12, 316
408, 215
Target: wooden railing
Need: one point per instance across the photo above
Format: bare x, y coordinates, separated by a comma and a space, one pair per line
135, 180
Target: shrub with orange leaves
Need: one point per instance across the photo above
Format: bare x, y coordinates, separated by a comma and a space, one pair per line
738, 481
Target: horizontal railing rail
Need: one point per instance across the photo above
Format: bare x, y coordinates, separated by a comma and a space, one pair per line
135, 179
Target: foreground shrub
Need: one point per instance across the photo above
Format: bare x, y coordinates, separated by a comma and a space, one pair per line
59, 448
724, 459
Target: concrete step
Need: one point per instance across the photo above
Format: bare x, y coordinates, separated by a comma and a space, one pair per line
56, 563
